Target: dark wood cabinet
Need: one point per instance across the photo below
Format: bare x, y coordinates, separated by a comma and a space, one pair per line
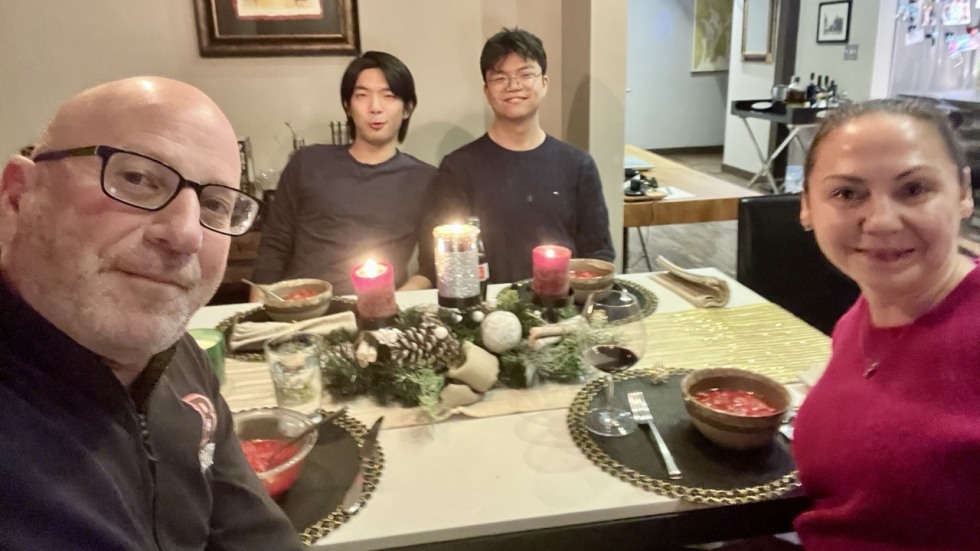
241, 259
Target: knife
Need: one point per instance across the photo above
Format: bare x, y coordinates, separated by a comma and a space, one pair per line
352, 499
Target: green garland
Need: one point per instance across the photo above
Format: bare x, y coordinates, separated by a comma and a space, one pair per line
418, 383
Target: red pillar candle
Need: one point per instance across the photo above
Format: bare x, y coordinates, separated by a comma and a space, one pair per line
549, 268
374, 284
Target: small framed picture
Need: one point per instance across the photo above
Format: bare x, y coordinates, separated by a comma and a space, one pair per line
834, 22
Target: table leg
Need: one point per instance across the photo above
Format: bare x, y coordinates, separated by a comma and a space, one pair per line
643, 243
803, 146
766, 162
626, 249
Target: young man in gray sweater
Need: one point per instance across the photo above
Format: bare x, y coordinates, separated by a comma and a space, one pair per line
338, 205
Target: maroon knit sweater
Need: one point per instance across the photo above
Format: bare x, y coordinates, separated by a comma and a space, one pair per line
892, 461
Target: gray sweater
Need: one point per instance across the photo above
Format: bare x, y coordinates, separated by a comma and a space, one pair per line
548, 195
332, 212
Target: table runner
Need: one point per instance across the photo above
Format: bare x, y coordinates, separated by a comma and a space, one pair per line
763, 338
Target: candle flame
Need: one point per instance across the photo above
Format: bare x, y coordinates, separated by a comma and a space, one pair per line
370, 269
549, 252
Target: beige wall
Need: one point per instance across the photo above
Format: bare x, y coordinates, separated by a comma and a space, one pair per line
90, 41
52, 49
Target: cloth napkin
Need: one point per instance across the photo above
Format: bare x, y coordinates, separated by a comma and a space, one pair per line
247, 336
700, 290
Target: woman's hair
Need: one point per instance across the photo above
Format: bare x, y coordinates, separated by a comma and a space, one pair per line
914, 108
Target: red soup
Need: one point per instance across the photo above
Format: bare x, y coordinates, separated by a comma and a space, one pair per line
586, 274
301, 294
732, 400
259, 456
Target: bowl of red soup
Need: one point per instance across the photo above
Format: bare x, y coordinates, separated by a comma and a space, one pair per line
262, 433
735, 408
302, 299
590, 275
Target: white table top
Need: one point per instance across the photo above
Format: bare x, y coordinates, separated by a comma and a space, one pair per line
475, 477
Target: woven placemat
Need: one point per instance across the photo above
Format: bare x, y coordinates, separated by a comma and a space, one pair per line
711, 474
647, 299
313, 503
762, 338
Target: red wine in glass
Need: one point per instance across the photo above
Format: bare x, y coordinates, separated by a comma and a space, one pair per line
610, 358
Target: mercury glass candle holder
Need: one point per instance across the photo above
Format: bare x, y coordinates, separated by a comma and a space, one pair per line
457, 265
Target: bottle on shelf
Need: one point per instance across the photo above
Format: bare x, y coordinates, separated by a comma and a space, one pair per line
811, 91
823, 90
796, 94
483, 267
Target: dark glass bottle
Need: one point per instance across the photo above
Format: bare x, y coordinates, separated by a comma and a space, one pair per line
811, 90
483, 267
832, 98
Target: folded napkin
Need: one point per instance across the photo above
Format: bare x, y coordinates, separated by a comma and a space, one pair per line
249, 336
700, 290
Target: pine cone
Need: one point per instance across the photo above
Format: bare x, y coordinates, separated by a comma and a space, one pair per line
344, 351
430, 340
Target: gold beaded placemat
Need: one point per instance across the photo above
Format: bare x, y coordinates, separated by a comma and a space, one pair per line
711, 474
314, 503
762, 338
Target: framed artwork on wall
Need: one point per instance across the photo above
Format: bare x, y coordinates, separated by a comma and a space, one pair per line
834, 22
261, 28
712, 35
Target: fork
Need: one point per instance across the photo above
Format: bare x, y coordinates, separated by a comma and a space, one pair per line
641, 414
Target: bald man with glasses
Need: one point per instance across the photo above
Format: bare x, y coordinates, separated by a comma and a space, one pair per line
114, 434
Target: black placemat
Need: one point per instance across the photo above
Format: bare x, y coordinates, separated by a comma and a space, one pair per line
712, 474
312, 504
648, 301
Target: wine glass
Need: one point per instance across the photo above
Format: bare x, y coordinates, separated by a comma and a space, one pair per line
614, 340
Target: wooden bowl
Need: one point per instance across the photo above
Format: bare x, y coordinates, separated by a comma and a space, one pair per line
300, 309
731, 430
589, 275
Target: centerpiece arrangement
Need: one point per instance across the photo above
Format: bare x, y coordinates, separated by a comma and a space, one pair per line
446, 355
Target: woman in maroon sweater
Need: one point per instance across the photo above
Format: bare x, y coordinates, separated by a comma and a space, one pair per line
888, 441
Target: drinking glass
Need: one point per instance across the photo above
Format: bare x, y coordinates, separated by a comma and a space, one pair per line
614, 340
294, 361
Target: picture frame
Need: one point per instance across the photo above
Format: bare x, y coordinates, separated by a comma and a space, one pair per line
834, 22
266, 28
712, 35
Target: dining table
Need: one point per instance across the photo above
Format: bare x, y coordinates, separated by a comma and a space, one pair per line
518, 480
691, 197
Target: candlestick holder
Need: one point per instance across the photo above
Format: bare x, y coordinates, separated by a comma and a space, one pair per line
370, 324
457, 265
551, 305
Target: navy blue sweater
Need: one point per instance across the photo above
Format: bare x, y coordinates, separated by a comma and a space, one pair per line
548, 195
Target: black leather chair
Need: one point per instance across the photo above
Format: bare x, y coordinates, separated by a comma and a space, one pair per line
781, 262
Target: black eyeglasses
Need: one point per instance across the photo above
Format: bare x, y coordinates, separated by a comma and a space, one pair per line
146, 183
501, 81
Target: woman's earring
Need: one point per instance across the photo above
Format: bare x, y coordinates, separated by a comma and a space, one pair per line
806, 227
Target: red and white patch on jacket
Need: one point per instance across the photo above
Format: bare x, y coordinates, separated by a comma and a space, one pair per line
209, 423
